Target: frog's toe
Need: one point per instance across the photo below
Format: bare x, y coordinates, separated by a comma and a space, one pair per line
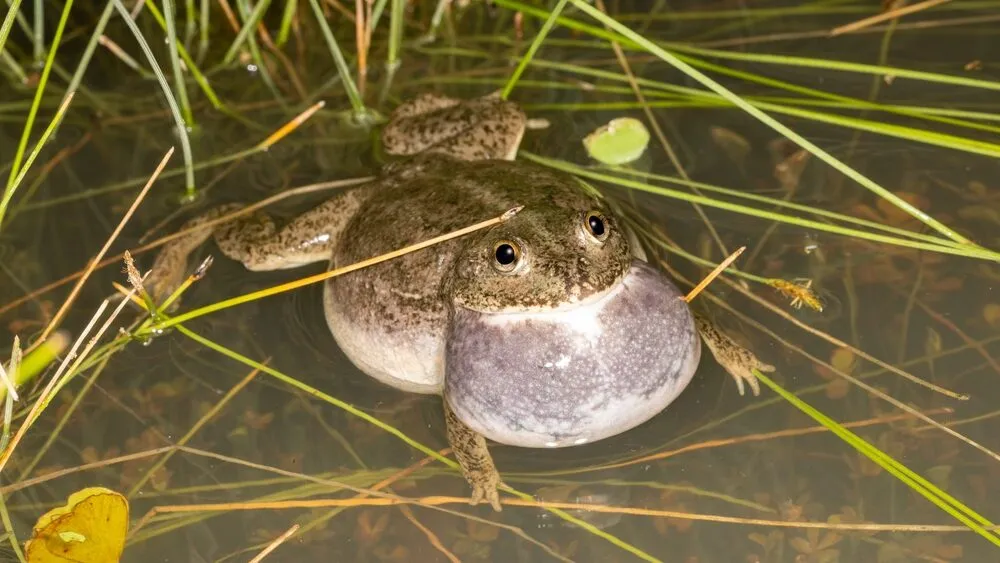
488, 491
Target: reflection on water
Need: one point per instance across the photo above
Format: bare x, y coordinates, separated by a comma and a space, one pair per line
712, 453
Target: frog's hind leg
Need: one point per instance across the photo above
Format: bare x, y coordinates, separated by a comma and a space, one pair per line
480, 129
171, 264
256, 241
736, 359
474, 458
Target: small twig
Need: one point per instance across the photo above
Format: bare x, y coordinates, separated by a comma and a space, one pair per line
891, 14
714, 274
96, 259
274, 545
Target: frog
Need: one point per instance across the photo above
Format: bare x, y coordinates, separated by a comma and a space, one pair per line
548, 329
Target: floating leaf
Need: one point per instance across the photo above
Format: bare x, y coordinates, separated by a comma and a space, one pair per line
90, 528
621, 141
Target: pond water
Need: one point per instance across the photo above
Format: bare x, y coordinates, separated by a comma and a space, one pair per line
709, 480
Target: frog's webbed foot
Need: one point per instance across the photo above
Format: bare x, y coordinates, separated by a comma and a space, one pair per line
475, 460
170, 268
736, 359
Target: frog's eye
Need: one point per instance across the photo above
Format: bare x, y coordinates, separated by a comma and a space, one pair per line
506, 256
596, 225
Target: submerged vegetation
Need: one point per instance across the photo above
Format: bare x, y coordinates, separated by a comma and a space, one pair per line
860, 186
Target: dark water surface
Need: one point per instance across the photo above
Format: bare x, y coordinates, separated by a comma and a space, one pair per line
935, 316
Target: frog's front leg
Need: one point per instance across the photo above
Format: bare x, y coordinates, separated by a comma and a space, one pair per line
474, 458
256, 241
736, 359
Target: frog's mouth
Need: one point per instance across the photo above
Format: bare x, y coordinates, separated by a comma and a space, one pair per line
572, 376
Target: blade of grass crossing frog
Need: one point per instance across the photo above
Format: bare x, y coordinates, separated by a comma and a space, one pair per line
928, 490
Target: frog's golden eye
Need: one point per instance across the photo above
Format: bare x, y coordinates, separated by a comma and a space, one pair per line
596, 225
506, 256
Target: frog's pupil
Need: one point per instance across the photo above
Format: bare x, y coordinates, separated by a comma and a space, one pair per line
505, 254
596, 225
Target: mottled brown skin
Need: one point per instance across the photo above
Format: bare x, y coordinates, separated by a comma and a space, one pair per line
391, 319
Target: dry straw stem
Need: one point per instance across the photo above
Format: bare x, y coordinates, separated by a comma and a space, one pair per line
434, 501
51, 388
714, 274
274, 545
891, 14
54, 323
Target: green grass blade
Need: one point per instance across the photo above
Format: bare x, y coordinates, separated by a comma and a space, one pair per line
338, 58
88, 51
829, 64
204, 28
175, 65
396, 18
248, 27
53, 125
206, 88
533, 48
8, 22
171, 102
925, 488
43, 81
287, 17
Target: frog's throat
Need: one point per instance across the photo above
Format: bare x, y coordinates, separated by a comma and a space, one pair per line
576, 375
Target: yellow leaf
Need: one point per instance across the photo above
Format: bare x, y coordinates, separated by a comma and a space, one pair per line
90, 528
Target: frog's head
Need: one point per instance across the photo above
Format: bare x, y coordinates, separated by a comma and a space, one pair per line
560, 334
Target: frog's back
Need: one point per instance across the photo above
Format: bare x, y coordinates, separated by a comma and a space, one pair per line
391, 318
